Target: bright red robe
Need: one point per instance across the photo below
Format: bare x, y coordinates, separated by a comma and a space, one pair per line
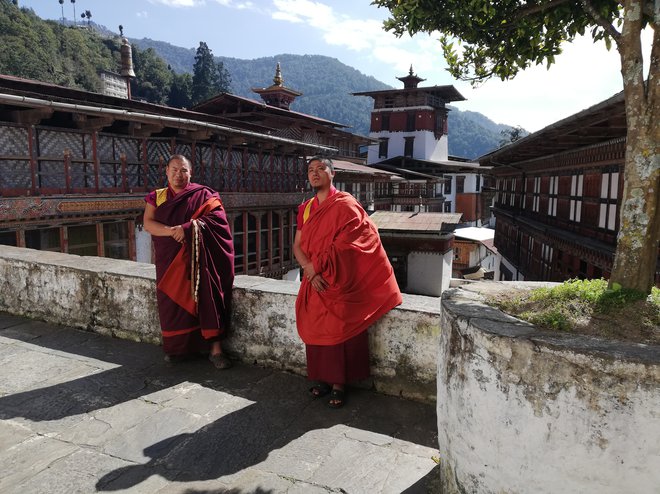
344, 245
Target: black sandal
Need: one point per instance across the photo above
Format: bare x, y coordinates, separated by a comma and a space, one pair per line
320, 389
337, 398
220, 361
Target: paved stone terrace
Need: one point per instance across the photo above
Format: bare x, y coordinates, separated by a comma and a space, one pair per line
83, 413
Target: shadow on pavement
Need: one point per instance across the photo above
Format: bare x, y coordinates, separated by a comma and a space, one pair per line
281, 408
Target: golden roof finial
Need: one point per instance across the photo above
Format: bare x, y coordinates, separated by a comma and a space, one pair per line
278, 76
411, 70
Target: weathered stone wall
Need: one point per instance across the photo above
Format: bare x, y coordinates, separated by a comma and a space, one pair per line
520, 410
117, 298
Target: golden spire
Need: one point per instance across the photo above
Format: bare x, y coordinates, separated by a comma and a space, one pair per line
278, 76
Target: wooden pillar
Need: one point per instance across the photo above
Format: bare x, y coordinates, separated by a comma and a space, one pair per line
257, 247
270, 241
100, 242
245, 242
20, 238
132, 252
64, 239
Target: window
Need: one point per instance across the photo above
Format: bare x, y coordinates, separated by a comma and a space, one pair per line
512, 199
460, 184
546, 261
410, 122
388, 102
478, 183
609, 192
447, 206
439, 124
46, 239
536, 198
582, 273
288, 229
552, 199
498, 185
82, 240
575, 212
382, 148
408, 149
239, 243
529, 256
264, 237
385, 121
252, 242
447, 185
115, 240
275, 252
8, 238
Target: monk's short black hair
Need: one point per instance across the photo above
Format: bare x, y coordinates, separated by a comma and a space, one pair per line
323, 159
179, 157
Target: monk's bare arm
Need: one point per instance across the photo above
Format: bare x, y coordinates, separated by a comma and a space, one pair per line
157, 229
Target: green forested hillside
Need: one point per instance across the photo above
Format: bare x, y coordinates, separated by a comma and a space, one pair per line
72, 56
327, 86
48, 51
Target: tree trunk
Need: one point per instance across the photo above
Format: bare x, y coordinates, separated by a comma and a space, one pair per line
636, 257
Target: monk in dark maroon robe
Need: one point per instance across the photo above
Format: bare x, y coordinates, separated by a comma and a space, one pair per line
348, 284
194, 264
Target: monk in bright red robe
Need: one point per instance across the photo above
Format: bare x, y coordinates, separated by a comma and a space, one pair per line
194, 256
348, 284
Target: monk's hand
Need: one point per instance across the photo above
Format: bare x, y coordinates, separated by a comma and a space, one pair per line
178, 234
319, 283
309, 271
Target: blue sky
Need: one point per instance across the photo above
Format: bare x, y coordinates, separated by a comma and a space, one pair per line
350, 30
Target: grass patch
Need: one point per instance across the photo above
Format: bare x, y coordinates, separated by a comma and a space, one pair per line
588, 307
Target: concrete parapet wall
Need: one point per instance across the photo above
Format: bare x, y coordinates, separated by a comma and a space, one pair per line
520, 410
117, 298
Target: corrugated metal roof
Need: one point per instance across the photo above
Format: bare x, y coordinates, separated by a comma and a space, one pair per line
347, 166
418, 222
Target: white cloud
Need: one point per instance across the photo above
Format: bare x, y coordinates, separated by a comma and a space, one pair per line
233, 4
142, 14
179, 3
360, 35
313, 13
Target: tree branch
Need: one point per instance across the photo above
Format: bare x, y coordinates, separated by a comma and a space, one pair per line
539, 7
602, 22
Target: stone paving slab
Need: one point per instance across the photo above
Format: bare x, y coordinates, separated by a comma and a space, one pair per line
82, 413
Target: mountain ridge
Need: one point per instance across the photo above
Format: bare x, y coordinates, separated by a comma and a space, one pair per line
471, 134
74, 55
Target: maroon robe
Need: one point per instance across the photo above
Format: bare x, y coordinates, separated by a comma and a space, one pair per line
194, 295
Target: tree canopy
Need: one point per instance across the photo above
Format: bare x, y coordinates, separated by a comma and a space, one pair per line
482, 39
209, 77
